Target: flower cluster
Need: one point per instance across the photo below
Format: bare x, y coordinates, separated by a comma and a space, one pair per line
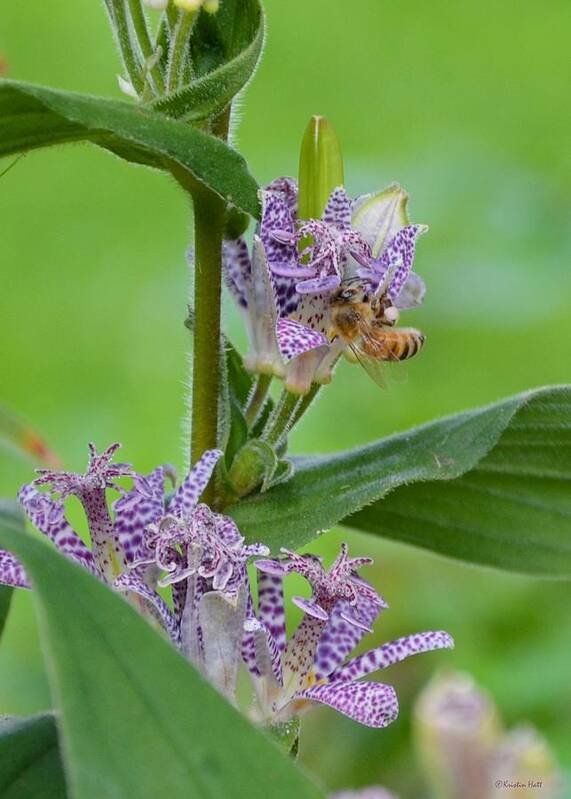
148, 540
285, 286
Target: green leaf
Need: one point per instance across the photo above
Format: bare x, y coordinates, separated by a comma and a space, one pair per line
30, 763
11, 518
209, 94
136, 719
489, 486
34, 116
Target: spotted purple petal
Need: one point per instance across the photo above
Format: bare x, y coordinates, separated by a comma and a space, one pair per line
237, 269
277, 216
312, 311
11, 572
271, 611
48, 516
383, 656
287, 188
261, 652
139, 507
340, 638
294, 339
338, 209
196, 481
370, 703
398, 257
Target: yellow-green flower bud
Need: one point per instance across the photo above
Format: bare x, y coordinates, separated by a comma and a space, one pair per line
320, 168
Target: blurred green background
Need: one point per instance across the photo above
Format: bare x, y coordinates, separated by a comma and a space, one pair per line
465, 104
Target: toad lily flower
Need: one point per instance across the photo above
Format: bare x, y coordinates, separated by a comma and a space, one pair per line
310, 667
203, 557
113, 537
284, 288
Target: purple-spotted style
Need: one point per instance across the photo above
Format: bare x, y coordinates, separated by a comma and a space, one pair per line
311, 666
283, 288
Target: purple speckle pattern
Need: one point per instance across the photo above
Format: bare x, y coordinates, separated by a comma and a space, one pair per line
339, 583
294, 339
393, 652
48, 516
90, 489
287, 188
11, 571
277, 232
260, 651
139, 507
397, 258
338, 209
237, 270
271, 610
370, 703
340, 637
342, 608
196, 481
131, 582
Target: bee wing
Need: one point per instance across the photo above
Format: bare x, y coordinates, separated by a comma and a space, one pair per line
374, 368
371, 352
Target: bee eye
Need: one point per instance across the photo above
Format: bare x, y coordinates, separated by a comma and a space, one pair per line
365, 298
346, 295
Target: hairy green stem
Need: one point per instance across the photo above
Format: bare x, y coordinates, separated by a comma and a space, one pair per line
306, 401
209, 211
118, 14
178, 49
148, 50
257, 398
280, 421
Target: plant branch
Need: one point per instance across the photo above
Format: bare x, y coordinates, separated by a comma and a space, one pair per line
282, 417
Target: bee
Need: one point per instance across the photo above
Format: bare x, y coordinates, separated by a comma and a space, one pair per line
366, 321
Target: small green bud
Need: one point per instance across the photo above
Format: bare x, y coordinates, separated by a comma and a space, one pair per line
254, 465
236, 223
320, 167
